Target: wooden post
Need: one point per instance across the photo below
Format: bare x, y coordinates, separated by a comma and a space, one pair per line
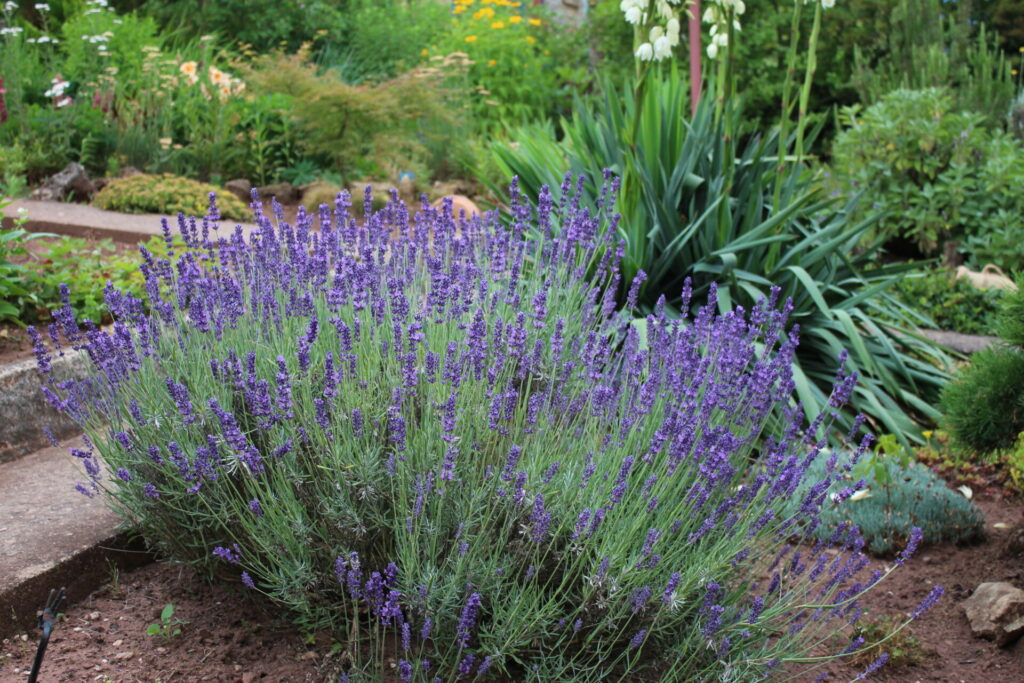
695, 56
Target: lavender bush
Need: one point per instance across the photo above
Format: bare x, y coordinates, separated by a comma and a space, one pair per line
440, 439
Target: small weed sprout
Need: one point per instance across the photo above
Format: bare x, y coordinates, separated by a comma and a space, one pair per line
168, 627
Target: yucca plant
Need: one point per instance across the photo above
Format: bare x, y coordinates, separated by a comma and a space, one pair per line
690, 207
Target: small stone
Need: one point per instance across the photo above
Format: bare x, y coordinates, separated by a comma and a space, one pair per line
284, 192
124, 655
240, 187
996, 612
248, 677
161, 650
93, 616
308, 655
72, 181
460, 203
118, 643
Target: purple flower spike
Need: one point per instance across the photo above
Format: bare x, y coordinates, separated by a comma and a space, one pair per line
930, 601
232, 555
467, 620
915, 538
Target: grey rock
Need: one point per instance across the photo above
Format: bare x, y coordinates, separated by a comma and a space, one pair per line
996, 612
285, 192
240, 187
963, 343
73, 181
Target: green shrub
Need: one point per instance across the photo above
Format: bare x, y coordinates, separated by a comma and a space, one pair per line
984, 408
524, 66
950, 303
384, 39
926, 45
320, 192
166, 194
293, 21
934, 174
898, 495
374, 130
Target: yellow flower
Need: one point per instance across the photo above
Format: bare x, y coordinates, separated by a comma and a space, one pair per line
459, 9
927, 433
498, 24
1014, 72
531, 40
535, 22
424, 52
470, 39
189, 68
484, 13
1022, 48
515, 19
492, 62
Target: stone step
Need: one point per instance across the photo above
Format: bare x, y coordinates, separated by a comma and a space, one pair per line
25, 415
52, 536
82, 220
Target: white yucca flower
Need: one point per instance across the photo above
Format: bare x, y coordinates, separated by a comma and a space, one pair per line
662, 48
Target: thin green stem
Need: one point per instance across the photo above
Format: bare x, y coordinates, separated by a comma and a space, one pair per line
805, 93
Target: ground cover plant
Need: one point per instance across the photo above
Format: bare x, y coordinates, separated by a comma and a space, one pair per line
950, 303
164, 194
895, 495
442, 440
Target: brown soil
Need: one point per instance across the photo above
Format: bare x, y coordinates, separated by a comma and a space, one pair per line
947, 651
226, 637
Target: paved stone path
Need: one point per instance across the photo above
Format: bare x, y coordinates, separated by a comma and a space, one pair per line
82, 220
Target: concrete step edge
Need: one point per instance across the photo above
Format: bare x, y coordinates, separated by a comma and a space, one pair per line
25, 414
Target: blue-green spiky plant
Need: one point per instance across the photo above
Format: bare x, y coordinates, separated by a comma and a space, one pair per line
892, 497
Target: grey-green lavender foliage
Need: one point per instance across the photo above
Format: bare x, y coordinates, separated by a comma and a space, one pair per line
441, 440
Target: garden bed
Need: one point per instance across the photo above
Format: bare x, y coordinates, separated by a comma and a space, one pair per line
226, 637
946, 649
231, 636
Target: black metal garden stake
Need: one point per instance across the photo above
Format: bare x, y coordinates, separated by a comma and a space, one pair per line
46, 623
